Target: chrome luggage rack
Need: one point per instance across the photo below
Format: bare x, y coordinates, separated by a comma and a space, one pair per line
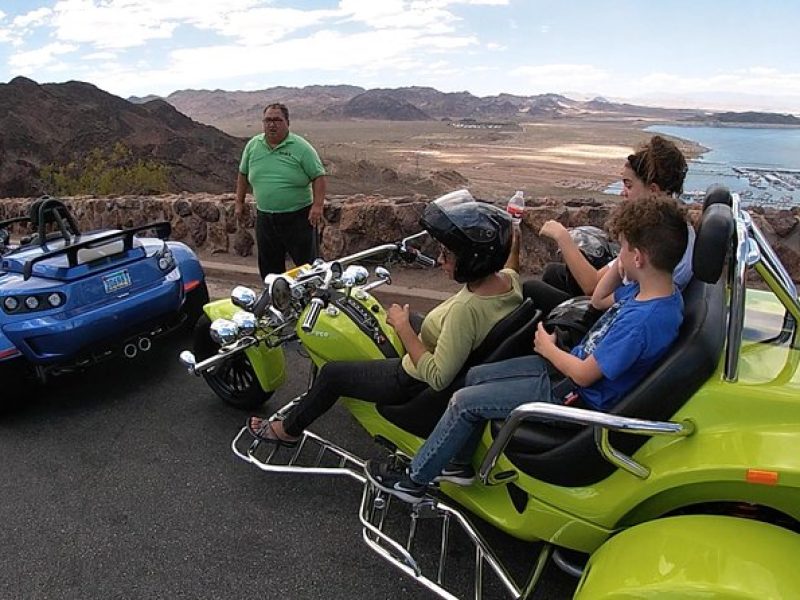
315, 455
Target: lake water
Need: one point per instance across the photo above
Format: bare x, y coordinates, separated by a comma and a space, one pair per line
761, 163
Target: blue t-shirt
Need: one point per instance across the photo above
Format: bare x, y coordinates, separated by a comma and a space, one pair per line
627, 341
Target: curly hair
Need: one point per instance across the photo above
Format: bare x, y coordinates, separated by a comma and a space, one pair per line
656, 226
660, 161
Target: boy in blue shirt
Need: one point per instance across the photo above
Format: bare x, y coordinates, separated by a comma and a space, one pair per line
619, 350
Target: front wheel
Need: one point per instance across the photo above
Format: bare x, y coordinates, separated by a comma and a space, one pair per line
234, 380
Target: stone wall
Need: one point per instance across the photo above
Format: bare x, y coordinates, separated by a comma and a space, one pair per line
206, 223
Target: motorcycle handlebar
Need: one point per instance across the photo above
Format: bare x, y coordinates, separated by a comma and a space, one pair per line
261, 305
314, 308
424, 260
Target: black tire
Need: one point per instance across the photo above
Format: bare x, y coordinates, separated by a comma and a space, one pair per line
18, 382
194, 303
234, 380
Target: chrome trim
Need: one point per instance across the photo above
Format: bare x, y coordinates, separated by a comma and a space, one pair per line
544, 411
738, 293
372, 513
348, 464
565, 565
225, 353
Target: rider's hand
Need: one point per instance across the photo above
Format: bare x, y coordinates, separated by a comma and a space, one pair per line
543, 342
398, 316
238, 211
553, 229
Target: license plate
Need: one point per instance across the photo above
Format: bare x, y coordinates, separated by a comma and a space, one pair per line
116, 281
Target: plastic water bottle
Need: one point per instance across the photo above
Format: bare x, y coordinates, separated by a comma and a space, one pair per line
516, 206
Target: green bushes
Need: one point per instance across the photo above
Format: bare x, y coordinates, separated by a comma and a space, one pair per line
106, 172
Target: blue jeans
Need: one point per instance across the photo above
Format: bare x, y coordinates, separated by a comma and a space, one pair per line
492, 391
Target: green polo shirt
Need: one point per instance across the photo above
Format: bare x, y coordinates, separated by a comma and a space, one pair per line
281, 176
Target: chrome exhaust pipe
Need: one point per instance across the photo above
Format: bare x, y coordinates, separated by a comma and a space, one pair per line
144, 344
130, 350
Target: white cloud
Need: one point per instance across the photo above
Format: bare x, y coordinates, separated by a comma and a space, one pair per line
25, 62
115, 24
391, 14
35, 18
495, 46
271, 24
99, 56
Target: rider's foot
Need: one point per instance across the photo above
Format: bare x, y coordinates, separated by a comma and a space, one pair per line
272, 432
457, 474
395, 481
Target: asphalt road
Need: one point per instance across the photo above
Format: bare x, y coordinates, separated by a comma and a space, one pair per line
120, 483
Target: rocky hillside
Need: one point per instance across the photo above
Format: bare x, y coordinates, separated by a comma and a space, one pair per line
59, 123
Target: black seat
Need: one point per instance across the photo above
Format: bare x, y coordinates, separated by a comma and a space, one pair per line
569, 457
511, 336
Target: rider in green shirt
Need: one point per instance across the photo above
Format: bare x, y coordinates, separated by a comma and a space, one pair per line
288, 182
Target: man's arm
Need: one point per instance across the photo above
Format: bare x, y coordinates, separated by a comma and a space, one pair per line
583, 371
582, 270
318, 187
241, 191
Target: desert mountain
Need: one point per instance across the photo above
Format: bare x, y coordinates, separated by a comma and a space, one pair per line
228, 110
58, 123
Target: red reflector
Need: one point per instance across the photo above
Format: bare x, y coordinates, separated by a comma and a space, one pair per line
762, 477
190, 285
9, 353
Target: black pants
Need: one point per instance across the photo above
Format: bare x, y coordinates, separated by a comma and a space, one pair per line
280, 233
379, 381
556, 286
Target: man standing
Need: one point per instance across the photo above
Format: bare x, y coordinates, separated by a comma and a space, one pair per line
288, 182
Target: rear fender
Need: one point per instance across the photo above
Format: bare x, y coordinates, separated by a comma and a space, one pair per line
697, 556
269, 364
8, 350
191, 270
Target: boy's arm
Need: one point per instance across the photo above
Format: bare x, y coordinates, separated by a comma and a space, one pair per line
583, 371
603, 295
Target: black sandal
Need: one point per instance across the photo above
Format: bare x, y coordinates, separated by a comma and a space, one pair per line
261, 433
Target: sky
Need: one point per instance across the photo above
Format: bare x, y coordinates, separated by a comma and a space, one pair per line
725, 54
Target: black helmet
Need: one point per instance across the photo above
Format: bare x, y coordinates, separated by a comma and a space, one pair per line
478, 234
595, 245
571, 320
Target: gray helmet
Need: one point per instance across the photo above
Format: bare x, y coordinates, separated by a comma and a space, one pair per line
595, 244
478, 234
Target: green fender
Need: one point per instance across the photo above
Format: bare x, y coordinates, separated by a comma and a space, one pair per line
269, 364
695, 556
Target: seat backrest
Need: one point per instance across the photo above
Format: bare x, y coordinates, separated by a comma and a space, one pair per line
569, 457
511, 336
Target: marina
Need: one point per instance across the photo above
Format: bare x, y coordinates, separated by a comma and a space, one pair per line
761, 164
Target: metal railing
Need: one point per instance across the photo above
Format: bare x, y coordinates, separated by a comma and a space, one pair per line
603, 423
